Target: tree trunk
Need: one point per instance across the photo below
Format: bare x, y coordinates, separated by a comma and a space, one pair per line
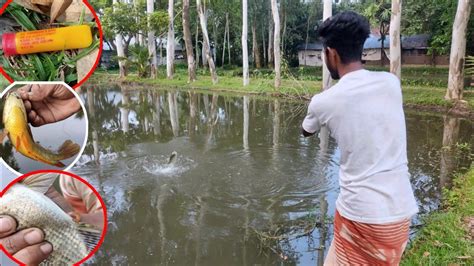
214, 33
228, 40
188, 42
245, 52
197, 45
205, 37
225, 37
276, 43
263, 46
120, 52
151, 41
160, 44
458, 51
395, 45
327, 12
270, 42
255, 50
170, 42
382, 50
283, 11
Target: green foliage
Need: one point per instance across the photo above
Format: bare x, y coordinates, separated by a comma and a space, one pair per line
159, 21
379, 13
435, 18
140, 59
124, 18
469, 65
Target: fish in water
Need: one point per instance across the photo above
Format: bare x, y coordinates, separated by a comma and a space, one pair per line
19, 133
173, 157
26, 202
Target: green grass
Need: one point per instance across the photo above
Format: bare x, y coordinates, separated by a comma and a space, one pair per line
3, 83
444, 239
296, 82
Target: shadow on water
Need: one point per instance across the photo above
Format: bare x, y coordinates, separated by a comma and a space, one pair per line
245, 189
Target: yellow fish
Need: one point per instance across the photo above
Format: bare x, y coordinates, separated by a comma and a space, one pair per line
19, 133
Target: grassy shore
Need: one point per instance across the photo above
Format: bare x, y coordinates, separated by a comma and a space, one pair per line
422, 86
445, 239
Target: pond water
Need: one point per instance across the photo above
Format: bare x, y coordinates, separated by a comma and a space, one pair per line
245, 189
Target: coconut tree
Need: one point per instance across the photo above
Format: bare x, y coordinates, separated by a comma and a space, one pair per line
458, 51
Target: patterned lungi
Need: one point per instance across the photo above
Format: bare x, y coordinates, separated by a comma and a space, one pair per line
357, 243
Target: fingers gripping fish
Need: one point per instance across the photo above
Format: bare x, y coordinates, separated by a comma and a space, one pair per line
19, 133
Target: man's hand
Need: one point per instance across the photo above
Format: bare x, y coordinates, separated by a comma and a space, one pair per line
27, 245
48, 103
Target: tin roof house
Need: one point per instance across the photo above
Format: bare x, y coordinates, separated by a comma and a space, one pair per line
414, 52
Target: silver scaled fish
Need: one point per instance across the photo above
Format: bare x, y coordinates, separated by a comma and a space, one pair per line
27, 203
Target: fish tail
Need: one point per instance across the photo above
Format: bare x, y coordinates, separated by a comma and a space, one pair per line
67, 150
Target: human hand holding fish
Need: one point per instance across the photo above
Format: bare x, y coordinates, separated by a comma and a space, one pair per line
48, 103
26, 245
19, 132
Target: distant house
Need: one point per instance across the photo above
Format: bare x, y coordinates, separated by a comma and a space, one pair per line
414, 52
311, 55
373, 49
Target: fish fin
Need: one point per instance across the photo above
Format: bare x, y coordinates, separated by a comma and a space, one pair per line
18, 143
31, 134
3, 135
40, 182
68, 149
59, 164
90, 235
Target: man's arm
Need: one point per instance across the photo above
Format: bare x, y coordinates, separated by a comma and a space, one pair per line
311, 123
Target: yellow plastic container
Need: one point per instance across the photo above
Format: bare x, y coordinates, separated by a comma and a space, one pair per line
49, 40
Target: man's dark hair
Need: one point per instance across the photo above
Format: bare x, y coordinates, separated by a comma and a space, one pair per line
346, 32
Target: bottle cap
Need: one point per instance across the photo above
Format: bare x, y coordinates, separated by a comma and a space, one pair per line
8, 44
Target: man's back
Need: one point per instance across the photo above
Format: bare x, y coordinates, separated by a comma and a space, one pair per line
364, 113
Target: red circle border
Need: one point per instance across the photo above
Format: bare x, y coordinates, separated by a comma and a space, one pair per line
97, 60
104, 210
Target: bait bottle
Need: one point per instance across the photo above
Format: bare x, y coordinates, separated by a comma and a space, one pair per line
48, 40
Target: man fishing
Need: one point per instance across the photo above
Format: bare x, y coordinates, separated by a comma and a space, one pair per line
364, 113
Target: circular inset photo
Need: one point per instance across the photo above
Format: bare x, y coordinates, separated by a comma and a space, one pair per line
51, 218
44, 126
49, 40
